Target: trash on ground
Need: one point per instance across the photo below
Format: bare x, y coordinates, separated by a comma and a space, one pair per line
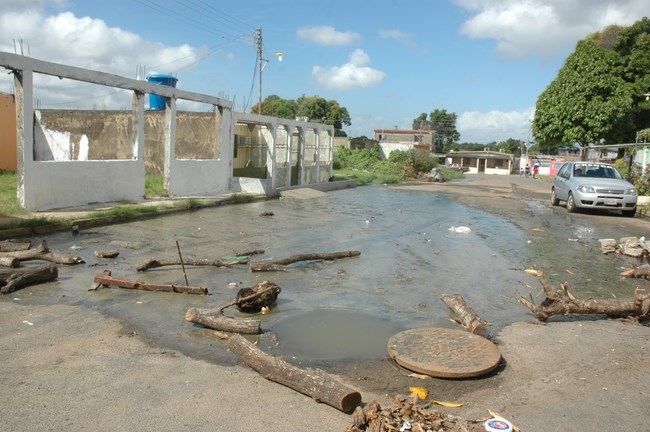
460, 229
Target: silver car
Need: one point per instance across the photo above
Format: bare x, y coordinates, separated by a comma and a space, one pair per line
589, 185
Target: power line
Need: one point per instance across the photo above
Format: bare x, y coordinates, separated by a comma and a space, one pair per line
183, 18
209, 11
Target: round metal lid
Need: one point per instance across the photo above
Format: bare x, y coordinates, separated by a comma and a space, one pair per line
444, 353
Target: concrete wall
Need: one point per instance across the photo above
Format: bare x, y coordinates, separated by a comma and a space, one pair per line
387, 148
110, 135
8, 155
72, 158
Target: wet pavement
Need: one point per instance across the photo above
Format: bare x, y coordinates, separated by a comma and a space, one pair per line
412, 252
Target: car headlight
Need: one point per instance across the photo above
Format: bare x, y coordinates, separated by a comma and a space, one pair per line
631, 191
586, 189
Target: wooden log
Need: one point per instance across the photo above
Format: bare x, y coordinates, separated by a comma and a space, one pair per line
155, 263
42, 252
27, 254
562, 302
12, 280
314, 383
105, 279
642, 271
12, 246
112, 253
280, 264
465, 315
9, 262
216, 320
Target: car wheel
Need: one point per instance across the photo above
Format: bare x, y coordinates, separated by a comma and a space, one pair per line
629, 213
554, 200
571, 204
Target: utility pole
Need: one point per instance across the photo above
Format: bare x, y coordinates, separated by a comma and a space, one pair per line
261, 63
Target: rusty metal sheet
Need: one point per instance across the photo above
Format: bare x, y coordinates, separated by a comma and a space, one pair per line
444, 353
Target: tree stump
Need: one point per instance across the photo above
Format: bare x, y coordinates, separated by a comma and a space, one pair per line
253, 299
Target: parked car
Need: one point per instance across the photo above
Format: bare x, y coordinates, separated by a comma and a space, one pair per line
589, 185
458, 167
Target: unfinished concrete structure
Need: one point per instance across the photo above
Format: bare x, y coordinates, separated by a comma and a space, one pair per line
244, 152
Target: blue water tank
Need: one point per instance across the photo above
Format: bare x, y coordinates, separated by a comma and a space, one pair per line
158, 102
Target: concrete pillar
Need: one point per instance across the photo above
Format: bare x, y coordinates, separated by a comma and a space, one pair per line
271, 152
317, 132
138, 118
170, 140
218, 124
301, 156
24, 85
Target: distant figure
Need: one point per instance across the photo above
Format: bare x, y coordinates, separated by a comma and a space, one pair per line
577, 172
527, 170
535, 170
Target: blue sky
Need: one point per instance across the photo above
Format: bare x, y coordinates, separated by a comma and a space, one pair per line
386, 61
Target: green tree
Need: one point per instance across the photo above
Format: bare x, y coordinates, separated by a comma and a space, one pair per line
444, 124
586, 103
337, 115
277, 107
316, 108
633, 46
510, 145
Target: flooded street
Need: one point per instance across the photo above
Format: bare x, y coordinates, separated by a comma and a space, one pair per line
345, 309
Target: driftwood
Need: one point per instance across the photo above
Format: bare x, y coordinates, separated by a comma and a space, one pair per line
254, 298
12, 246
465, 315
105, 279
42, 252
107, 253
314, 383
243, 258
12, 280
642, 271
280, 265
215, 319
7, 261
563, 303
263, 294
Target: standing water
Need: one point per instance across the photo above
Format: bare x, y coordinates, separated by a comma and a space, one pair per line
410, 255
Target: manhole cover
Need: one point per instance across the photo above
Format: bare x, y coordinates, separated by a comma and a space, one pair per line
443, 353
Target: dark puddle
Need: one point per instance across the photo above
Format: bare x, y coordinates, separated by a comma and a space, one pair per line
333, 334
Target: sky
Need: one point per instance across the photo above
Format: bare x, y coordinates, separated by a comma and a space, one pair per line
386, 61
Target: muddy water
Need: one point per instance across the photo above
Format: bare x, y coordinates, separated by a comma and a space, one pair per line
345, 309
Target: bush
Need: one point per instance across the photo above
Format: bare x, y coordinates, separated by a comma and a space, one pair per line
366, 165
634, 176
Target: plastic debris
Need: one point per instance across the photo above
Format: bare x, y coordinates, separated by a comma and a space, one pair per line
421, 392
406, 426
497, 425
28, 322
460, 229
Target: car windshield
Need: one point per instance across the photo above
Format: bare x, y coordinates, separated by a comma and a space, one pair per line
596, 171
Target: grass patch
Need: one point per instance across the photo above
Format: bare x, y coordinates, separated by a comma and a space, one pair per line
154, 186
126, 212
8, 198
242, 198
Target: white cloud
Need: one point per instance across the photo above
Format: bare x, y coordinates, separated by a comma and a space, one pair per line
88, 43
486, 127
544, 28
401, 37
354, 74
328, 36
